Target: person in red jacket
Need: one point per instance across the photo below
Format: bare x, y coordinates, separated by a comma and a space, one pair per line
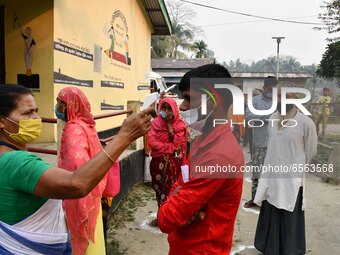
200, 212
167, 140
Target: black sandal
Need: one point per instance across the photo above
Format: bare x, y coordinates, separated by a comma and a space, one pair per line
154, 223
249, 204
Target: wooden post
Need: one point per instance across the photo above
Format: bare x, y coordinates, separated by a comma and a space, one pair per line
135, 107
334, 162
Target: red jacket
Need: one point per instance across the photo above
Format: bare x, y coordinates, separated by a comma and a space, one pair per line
219, 198
158, 136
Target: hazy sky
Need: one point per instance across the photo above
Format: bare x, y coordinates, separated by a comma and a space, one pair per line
253, 41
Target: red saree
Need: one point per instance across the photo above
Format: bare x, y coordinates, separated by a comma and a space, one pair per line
164, 167
79, 143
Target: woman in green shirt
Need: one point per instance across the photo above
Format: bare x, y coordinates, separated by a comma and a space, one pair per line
31, 190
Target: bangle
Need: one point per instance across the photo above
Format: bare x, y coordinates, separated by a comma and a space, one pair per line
107, 154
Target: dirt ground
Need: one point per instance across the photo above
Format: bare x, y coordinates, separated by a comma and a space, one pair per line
322, 225
133, 234
130, 234
135, 237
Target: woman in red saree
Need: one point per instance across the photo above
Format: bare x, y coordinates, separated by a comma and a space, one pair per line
79, 143
167, 140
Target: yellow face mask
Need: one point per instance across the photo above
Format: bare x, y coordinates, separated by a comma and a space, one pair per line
29, 131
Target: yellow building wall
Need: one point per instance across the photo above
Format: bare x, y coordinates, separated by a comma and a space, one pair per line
81, 26
37, 14
90, 52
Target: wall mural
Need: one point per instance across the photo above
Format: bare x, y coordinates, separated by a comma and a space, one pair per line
29, 44
99, 54
117, 49
28, 79
28, 52
118, 34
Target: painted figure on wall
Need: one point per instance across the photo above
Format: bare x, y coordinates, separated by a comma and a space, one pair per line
117, 33
112, 37
28, 52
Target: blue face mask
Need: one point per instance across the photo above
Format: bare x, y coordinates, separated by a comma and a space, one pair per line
269, 94
59, 114
163, 114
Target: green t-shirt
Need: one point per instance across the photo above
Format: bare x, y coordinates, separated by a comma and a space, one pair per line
19, 174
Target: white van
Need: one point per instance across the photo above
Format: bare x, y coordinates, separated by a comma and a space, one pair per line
157, 82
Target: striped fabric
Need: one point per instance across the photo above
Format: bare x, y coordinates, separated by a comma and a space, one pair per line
44, 232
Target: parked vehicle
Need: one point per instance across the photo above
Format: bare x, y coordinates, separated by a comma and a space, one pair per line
158, 84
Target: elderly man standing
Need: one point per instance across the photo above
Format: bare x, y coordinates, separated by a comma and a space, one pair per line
260, 133
281, 194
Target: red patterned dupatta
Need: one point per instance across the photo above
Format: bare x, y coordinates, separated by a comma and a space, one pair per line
80, 143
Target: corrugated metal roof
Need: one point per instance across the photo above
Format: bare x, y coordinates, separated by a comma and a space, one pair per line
158, 15
262, 75
165, 63
176, 73
171, 74
170, 68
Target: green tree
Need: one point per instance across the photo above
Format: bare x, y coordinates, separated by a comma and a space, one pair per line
181, 37
201, 48
182, 15
161, 46
331, 19
269, 64
183, 32
209, 54
330, 63
311, 69
231, 65
287, 64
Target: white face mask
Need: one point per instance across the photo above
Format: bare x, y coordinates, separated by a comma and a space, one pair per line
195, 127
190, 116
199, 124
